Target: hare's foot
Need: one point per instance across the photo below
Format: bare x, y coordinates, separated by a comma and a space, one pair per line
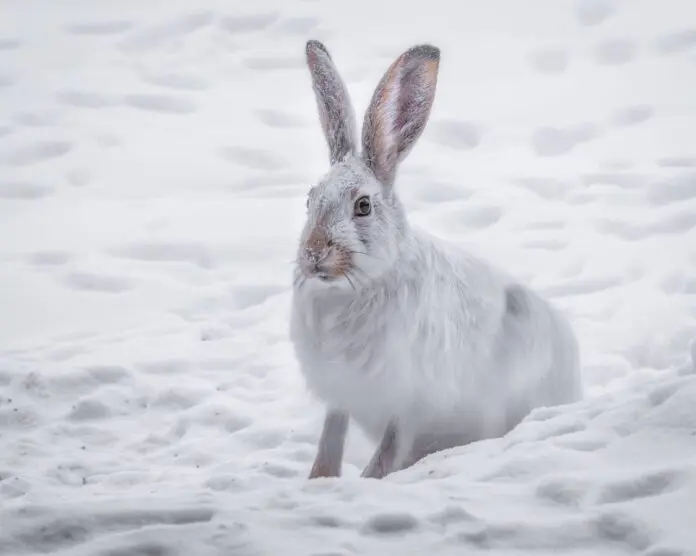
327, 462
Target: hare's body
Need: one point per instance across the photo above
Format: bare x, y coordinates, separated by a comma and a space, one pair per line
447, 346
423, 345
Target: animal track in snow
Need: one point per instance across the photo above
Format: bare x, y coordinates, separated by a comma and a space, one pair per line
178, 398
50, 530
584, 287
630, 231
615, 165
675, 223
547, 188
9, 44
481, 216
641, 486
220, 416
593, 12
297, 25
194, 253
108, 140
665, 551
450, 515
674, 284
34, 119
673, 189
390, 524
626, 180
619, 527
676, 43
615, 52
554, 141
78, 177
545, 225
549, 244
456, 134
248, 23
86, 99
49, 258
108, 374
160, 103
89, 410
550, 60
23, 190
277, 118
257, 159
35, 152
249, 296
438, 192
165, 366
583, 444
159, 35
275, 192
472, 217
88, 281
281, 180
268, 63
176, 81
113, 27
632, 115
262, 438
563, 490
7, 81
677, 162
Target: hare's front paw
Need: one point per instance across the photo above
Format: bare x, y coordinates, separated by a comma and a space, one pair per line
324, 468
327, 462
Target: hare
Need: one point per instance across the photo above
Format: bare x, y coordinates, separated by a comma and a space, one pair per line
423, 345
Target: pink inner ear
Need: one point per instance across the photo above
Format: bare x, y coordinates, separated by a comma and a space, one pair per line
399, 110
379, 129
312, 58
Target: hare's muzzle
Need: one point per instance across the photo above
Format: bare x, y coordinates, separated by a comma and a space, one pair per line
322, 257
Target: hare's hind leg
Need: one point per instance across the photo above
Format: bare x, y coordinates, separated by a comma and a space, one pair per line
382, 462
327, 462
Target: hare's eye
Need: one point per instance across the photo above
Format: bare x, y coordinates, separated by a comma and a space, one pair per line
362, 206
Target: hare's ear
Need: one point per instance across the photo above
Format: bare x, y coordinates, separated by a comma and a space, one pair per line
399, 110
333, 102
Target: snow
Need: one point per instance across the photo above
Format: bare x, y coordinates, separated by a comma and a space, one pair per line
154, 159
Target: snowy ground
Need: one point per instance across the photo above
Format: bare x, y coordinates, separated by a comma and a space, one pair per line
154, 159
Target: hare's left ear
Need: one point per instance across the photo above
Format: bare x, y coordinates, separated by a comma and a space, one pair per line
399, 110
333, 102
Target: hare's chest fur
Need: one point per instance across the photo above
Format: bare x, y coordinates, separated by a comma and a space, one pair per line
396, 353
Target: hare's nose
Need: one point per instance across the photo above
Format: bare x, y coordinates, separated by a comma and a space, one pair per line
318, 242
318, 254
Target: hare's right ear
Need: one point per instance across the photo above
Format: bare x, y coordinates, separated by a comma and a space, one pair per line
334, 105
399, 110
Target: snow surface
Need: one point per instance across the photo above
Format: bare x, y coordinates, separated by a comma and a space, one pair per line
154, 158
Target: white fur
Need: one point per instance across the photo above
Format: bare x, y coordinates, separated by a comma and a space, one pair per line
421, 334
431, 344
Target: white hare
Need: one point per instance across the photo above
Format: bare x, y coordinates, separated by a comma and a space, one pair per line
425, 346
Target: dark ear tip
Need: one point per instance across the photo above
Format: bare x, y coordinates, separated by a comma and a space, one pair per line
426, 51
313, 46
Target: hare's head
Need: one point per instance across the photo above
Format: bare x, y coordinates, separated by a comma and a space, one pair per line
355, 223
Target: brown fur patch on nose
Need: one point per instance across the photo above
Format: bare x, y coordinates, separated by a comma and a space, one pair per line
318, 238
